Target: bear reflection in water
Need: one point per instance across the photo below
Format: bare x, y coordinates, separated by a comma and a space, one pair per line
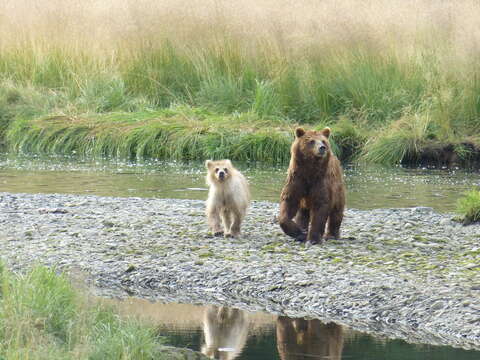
299, 339
225, 332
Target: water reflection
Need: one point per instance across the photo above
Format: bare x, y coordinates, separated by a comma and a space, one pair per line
300, 339
225, 331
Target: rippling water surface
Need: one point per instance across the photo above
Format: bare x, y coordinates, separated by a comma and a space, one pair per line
367, 186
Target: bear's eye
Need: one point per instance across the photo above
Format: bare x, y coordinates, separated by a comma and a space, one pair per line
216, 169
225, 169
311, 142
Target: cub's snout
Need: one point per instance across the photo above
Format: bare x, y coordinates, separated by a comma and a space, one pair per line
221, 175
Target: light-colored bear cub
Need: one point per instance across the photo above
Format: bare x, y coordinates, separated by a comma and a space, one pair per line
228, 198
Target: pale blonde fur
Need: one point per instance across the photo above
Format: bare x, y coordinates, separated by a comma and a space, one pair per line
226, 332
228, 199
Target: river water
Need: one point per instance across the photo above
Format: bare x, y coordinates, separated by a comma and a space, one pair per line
224, 333
368, 187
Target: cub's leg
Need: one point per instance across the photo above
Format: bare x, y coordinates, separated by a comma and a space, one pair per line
227, 220
237, 218
214, 221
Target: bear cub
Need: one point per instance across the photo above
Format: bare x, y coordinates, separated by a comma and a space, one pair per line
228, 198
314, 192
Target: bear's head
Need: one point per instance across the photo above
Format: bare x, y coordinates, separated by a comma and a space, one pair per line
312, 144
219, 171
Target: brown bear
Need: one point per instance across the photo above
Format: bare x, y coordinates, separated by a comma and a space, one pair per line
308, 339
314, 191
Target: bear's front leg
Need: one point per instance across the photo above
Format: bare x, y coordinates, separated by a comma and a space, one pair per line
214, 220
318, 218
236, 220
227, 221
334, 222
288, 209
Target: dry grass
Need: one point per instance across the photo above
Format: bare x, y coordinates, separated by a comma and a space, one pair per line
286, 25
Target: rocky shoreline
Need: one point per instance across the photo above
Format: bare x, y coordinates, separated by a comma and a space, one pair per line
403, 273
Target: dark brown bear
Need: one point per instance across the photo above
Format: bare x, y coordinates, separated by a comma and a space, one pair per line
299, 339
314, 191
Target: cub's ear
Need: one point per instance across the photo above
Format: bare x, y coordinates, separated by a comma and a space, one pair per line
228, 163
208, 163
299, 132
326, 132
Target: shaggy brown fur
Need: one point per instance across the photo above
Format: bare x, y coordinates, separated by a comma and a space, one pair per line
314, 191
228, 198
299, 338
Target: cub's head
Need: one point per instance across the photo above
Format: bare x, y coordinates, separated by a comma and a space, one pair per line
312, 144
220, 170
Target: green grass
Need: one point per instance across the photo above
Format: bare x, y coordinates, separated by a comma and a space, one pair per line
177, 133
404, 139
226, 99
43, 317
468, 207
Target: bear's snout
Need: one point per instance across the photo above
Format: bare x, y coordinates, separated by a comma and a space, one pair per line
322, 149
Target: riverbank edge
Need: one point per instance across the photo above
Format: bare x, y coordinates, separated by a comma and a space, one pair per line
125, 247
193, 134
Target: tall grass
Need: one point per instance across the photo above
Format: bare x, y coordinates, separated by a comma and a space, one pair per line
177, 133
403, 140
43, 317
374, 63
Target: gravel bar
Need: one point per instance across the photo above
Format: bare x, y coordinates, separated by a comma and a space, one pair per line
408, 273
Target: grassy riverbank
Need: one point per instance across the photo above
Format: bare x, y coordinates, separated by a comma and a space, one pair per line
394, 87
43, 317
468, 207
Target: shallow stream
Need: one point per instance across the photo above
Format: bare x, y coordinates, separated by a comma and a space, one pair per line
368, 187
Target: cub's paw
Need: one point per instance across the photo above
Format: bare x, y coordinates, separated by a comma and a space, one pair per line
231, 235
218, 233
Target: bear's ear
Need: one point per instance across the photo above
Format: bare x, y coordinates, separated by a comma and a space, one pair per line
326, 132
208, 163
299, 132
228, 163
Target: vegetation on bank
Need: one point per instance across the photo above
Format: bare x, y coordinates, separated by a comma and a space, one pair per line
43, 317
178, 88
468, 207
180, 133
